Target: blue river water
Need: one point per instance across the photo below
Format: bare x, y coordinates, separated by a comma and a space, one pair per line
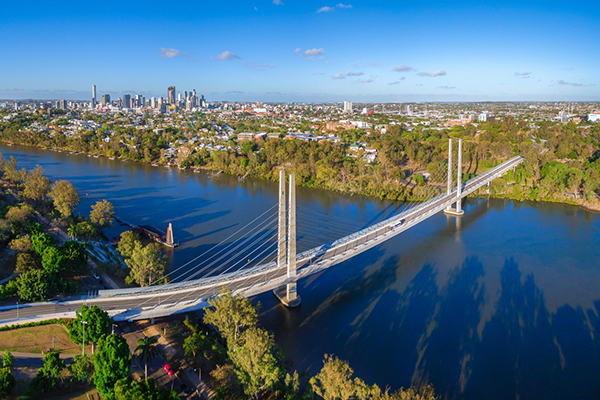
502, 303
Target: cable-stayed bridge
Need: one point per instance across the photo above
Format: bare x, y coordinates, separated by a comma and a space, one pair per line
270, 242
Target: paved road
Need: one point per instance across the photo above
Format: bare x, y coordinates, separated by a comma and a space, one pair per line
35, 359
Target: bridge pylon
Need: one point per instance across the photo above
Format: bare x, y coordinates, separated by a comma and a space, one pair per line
458, 211
288, 294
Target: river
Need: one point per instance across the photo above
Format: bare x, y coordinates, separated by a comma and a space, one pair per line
503, 303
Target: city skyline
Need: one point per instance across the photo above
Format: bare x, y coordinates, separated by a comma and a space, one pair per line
312, 51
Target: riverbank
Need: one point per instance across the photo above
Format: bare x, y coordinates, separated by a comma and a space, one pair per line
347, 189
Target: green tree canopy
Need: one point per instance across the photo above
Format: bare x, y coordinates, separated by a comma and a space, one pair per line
146, 264
7, 382
102, 214
127, 243
111, 364
146, 348
256, 365
7, 359
36, 285
230, 315
82, 367
40, 241
65, 197
98, 325
75, 255
129, 389
36, 185
53, 260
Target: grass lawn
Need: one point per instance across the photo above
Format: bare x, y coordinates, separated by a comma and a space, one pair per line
39, 338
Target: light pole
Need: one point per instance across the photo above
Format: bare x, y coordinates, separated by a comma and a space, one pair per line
17, 309
83, 342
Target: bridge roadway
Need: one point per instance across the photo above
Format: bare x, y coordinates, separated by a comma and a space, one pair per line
171, 298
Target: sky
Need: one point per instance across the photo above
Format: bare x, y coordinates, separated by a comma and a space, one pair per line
303, 50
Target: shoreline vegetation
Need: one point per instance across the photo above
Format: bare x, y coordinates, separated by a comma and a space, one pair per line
51, 250
562, 161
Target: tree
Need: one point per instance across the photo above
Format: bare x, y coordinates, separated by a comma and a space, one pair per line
7, 382
98, 325
36, 185
19, 217
65, 197
21, 244
7, 359
84, 230
146, 264
334, 381
129, 389
36, 285
40, 241
75, 255
146, 348
53, 364
230, 315
53, 260
111, 364
82, 368
26, 262
102, 214
196, 343
127, 243
256, 365
225, 383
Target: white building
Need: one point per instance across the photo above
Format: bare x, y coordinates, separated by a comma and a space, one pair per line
594, 117
347, 106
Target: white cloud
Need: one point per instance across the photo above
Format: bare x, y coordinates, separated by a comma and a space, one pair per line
310, 53
227, 55
324, 9
366, 80
433, 74
170, 53
346, 6
375, 64
523, 75
397, 82
278, 2
297, 50
268, 66
561, 82
339, 76
354, 73
402, 68
447, 87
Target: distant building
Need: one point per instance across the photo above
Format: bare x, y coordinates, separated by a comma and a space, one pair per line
594, 117
105, 99
347, 106
61, 104
93, 95
171, 95
126, 101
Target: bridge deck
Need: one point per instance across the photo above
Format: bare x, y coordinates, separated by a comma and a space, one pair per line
154, 301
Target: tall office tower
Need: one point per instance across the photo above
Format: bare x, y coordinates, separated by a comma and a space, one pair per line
153, 102
171, 94
194, 92
185, 95
347, 106
93, 95
126, 101
202, 102
61, 104
105, 99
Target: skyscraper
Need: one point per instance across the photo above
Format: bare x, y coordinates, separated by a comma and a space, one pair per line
105, 99
93, 95
171, 94
126, 101
347, 106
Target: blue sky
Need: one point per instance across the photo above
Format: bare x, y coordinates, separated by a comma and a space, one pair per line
303, 50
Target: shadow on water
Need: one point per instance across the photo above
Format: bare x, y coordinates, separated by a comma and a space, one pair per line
440, 335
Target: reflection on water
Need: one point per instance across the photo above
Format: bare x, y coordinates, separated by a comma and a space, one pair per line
501, 304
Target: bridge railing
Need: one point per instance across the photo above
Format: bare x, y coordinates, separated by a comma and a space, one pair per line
378, 228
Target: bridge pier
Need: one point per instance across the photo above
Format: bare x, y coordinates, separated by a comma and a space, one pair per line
458, 211
288, 294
